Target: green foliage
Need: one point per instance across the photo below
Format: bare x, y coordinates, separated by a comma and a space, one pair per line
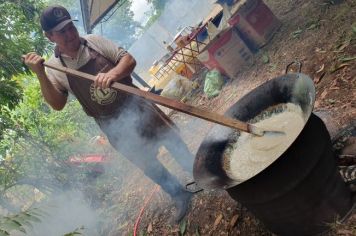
10, 92
18, 222
120, 25
75, 232
20, 33
158, 6
40, 140
182, 227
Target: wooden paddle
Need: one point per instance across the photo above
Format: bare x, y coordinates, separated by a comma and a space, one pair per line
172, 104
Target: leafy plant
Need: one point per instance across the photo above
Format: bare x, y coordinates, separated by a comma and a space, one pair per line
75, 232
182, 227
20, 33
38, 142
18, 222
122, 18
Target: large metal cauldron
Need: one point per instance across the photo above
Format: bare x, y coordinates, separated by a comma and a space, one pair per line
300, 193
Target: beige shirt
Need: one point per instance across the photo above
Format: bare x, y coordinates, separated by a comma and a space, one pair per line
102, 45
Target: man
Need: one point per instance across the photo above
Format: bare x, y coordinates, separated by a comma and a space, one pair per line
135, 127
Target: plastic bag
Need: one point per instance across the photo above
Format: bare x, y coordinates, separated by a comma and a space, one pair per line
178, 87
213, 83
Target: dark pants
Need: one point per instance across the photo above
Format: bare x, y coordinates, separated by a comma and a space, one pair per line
137, 133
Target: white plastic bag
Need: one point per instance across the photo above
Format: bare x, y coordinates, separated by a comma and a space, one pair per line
178, 87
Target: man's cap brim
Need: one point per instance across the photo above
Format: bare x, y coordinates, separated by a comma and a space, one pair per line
61, 25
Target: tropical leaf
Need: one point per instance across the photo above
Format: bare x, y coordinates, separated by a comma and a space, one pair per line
4, 233
182, 227
18, 222
9, 224
75, 232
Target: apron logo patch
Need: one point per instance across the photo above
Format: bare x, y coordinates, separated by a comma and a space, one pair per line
102, 96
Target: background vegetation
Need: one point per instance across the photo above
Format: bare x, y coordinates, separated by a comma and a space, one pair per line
35, 141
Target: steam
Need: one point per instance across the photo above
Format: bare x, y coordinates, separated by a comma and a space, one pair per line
67, 211
137, 135
64, 214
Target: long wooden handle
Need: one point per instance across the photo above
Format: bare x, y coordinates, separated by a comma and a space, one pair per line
170, 103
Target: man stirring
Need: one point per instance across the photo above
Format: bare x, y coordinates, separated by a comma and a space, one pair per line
135, 127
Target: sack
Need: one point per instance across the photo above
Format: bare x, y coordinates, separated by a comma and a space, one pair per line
178, 87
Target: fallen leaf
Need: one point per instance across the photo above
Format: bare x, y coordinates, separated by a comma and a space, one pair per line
313, 26
344, 232
296, 34
317, 104
149, 228
323, 94
345, 105
338, 67
174, 230
318, 77
265, 59
321, 68
343, 46
234, 220
320, 51
346, 59
217, 220
331, 101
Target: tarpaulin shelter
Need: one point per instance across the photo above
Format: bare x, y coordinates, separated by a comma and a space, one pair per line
94, 11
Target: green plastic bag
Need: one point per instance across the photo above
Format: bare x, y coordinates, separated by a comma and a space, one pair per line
213, 83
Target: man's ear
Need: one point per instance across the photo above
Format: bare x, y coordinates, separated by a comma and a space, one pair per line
49, 36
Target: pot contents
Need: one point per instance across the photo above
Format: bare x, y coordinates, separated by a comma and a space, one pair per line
249, 154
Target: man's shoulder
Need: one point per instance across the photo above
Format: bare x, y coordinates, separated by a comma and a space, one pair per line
94, 39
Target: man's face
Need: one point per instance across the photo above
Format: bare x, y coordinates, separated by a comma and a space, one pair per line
66, 39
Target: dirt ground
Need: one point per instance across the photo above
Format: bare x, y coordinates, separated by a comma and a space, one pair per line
322, 35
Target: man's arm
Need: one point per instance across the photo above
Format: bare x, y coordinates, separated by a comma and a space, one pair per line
55, 98
123, 69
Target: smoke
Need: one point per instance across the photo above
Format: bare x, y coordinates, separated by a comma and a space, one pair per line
138, 132
65, 213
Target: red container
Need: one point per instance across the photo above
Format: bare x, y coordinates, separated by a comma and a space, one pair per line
255, 21
227, 53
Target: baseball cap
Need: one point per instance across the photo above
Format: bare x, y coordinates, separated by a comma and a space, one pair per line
54, 18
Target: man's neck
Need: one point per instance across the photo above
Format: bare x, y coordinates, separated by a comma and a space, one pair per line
69, 52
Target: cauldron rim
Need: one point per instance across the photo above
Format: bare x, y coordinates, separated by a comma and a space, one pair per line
297, 88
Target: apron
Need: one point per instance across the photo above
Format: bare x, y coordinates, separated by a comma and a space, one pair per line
134, 126
106, 104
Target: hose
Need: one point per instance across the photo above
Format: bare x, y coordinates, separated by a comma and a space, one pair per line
147, 200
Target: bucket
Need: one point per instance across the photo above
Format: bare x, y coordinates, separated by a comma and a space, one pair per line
302, 192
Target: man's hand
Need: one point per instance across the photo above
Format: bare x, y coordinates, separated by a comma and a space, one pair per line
121, 70
104, 80
34, 62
